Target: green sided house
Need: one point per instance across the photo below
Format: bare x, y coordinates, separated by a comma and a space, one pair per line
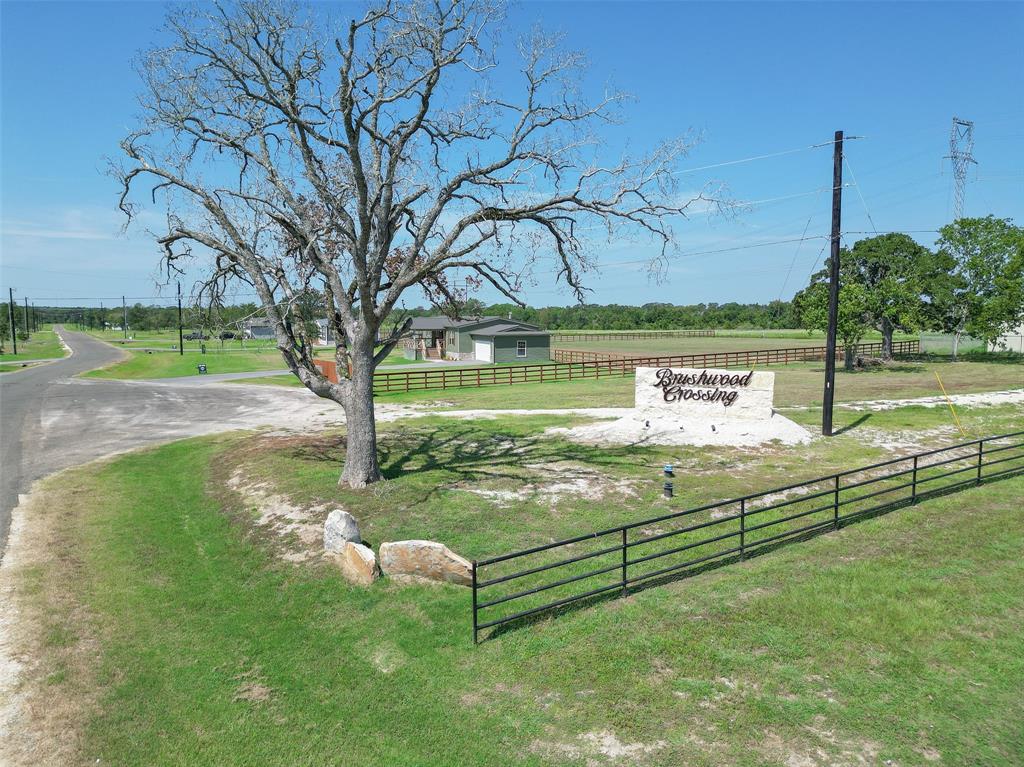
484, 339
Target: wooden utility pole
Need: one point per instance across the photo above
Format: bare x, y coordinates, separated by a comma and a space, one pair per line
28, 328
181, 340
833, 285
10, 316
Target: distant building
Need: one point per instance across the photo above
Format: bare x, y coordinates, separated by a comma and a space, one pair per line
324, 333
483, 339
942, 343
1011, 341
258, 329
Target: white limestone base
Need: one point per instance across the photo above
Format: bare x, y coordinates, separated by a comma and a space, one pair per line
640, 428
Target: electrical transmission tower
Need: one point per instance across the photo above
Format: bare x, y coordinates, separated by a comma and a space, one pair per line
961, 145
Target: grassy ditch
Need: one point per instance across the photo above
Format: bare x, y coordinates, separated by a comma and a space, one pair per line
41, 345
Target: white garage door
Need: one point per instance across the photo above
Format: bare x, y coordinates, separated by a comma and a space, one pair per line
483, 351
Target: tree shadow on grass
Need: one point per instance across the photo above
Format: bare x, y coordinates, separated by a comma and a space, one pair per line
992, 358
469, 453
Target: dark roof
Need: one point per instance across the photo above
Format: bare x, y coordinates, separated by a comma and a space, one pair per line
510, 328
443, 323
429, 323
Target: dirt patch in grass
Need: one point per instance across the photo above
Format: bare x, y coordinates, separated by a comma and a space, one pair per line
557, 484
818, 745
46, 635
905, 442
251, 687
297, 530
597, 747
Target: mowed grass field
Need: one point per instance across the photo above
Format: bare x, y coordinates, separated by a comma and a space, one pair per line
143, 365
168, 339
151, 354
184, 632
42, 345
797, 385
642, 347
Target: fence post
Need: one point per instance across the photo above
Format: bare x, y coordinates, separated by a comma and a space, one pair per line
743, 529
835, 505
981, 445
913, 483
475, 630
625, 580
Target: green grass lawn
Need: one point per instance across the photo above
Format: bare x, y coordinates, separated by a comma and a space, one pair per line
189, 639
168, 339
796, 385
42, 345
14, 367
141, 365
169, 364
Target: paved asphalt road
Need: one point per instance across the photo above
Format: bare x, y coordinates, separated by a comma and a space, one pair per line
50, 420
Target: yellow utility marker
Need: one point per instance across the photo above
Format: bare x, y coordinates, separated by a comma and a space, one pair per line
949, 402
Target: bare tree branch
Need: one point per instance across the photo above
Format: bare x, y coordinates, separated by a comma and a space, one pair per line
354, 164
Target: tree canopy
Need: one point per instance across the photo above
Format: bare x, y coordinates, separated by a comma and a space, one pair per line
358, 160
979, 290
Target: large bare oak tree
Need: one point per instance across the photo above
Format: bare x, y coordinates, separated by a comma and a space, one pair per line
354, 161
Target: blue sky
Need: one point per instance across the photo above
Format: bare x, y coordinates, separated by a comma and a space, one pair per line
755, 78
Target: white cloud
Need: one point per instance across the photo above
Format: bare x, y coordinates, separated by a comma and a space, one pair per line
9, 230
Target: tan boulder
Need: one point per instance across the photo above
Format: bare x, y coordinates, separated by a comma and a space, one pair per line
358, 564
426, 560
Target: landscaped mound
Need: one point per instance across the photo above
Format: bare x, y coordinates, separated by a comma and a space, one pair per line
638, 427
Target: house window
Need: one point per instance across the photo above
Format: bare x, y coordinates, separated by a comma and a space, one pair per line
520, 348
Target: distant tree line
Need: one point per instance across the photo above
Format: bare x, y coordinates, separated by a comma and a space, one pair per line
971, 284
143, 317
652, 316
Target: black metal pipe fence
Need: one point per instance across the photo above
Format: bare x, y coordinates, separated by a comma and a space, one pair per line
517, 586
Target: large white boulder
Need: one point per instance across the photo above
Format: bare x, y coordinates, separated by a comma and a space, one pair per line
339, 529
426, 560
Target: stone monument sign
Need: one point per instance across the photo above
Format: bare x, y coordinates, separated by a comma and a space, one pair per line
704, 394
696, 406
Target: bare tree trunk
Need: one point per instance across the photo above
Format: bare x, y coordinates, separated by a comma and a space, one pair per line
848, 354
361, 465
886, 339
956, 344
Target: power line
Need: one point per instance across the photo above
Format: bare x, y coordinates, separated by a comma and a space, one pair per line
796, 252
859, 194
816, 260
896, 231
722, 250
758, 157
743, 204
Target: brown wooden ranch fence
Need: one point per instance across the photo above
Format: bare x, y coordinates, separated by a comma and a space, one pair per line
726, 359
592, 365
632, 335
